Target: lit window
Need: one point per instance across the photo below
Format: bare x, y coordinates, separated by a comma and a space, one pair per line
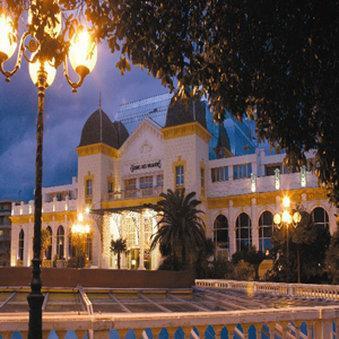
221, 232
160, 180
269, 169
110, 185
320, 217
179, 175
219, 174
265, 231
89, 187
242, 171
130, 188
146, 182
60, 240
243, 232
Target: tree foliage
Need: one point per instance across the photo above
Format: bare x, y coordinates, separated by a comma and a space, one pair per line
250, 256
308, 243
332, 259
181, 230
274, 60
118, 247
46, 241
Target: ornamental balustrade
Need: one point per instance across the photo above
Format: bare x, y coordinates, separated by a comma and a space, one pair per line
311, 291
298, 322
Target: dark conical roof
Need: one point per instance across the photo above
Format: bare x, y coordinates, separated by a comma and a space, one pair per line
223, 139
100, 129
182, 111
223, 148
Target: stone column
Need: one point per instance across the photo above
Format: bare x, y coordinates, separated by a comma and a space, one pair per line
141, 244
231, 230
54, 244
254, 224
106, 243
67, 233
28, 245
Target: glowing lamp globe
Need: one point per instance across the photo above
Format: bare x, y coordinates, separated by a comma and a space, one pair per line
277, 219
87, 229
286, 202
8, 38
296, 217
80, 217
286, 217
83, 52
35, 67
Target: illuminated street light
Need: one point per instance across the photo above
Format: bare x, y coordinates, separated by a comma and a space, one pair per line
287, 219
83, 55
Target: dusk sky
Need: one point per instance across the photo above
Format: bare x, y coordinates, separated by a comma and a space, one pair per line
65, 114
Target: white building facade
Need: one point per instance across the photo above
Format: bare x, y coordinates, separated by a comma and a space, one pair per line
119, 171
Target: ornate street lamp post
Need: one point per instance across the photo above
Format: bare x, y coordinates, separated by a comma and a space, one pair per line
82, 53
287, 219
80, 232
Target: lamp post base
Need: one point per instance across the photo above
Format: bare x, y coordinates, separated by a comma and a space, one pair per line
35, 301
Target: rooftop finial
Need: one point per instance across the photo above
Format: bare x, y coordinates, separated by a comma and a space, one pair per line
100, 101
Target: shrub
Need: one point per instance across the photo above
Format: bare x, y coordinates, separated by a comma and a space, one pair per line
244, 271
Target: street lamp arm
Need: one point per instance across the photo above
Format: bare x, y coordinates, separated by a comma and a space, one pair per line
21, 50
82, 73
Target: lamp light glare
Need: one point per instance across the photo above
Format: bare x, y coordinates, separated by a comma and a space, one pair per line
35, 67
80, 217
83, 52
286, 202
277, 219
8, 38
296, 217
286, 217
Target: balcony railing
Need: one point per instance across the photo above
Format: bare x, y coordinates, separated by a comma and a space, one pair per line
136, 193
47, 207
311, 291
294, 322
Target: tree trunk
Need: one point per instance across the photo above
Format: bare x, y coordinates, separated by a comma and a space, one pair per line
119, 257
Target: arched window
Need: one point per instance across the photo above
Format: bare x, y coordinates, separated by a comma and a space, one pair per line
60, 242
48, 251
320, 217
243, 232
265, 231
221, 232
21, 246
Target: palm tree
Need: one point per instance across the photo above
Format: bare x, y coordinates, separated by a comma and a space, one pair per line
181, 230
117, 247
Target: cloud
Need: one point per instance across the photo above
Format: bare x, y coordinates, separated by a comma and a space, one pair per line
65, 114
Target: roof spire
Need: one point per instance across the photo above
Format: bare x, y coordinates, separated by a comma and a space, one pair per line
100, 101
100, 110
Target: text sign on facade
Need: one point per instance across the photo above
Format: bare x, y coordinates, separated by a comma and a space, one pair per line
152, 165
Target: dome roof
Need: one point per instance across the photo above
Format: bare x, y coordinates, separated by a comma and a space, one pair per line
182, 111
100, 129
